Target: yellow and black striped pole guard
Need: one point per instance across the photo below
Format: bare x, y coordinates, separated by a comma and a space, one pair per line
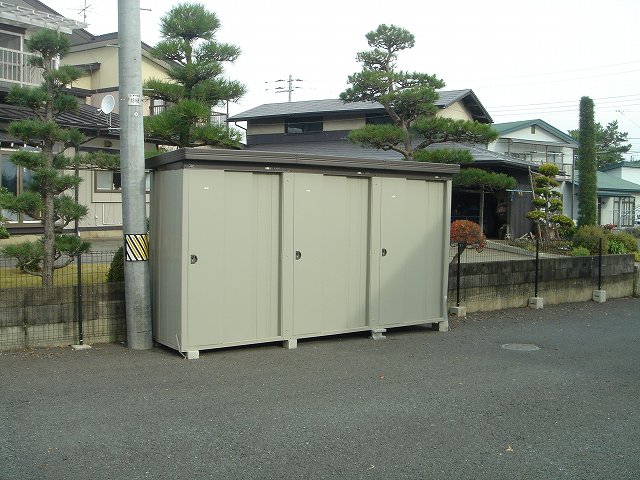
136, 247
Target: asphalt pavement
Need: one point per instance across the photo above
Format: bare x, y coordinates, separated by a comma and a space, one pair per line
420, 404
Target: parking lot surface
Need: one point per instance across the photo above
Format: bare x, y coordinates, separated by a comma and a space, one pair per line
478, 402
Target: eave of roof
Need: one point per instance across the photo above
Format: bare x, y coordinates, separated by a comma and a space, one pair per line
620, 165
86, 118
30, 14
337, 106
608, 185
510, 127
345, 148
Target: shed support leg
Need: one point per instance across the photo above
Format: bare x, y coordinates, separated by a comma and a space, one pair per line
193, 354
291, 343
378, 333
443, 326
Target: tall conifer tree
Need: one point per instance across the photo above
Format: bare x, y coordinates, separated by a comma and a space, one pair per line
587, 165
196, 84
45, 198
409, 99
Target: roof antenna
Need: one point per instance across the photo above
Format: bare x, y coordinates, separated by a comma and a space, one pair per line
83, 11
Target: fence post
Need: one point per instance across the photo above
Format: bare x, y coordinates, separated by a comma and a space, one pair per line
535, 301
600, 264
599, 295
458, 311
80, 311
537, 264
460, 250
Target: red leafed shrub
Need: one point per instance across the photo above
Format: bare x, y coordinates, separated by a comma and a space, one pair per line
468, 234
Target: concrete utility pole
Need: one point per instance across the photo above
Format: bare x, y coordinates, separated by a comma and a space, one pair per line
136, 267
290, 86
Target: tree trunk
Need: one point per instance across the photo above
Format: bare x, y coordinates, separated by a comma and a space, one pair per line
48, 217
49, 240
481, 221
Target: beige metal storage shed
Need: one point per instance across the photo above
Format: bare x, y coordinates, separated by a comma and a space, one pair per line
251, 247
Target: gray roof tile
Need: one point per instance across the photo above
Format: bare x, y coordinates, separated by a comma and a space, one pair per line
318, 107
345, 148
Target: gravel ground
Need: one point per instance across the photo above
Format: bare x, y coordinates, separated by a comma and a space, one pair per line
420, 404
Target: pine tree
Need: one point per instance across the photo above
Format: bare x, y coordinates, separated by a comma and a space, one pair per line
409, 99
547, 202
587, 166
45, 198
610, 143
196, 83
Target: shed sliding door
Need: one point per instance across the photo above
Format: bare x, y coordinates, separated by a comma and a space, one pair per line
411, 241
331, 241
234, 231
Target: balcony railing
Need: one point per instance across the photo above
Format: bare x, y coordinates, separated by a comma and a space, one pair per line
15, 68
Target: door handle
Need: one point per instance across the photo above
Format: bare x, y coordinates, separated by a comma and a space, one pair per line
384, 252
298, 255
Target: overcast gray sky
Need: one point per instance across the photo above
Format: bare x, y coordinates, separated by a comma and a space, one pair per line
523, 59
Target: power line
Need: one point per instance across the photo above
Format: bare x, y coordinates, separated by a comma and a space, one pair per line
595, 98
604, 99
567, 108
622, 113
557, 80
568, 71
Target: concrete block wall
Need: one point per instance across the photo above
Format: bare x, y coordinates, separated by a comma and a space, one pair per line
487, 286
38, 317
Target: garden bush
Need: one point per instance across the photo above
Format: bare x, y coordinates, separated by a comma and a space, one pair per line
589, 237
116, 270
616, 247
580, 252
629, 241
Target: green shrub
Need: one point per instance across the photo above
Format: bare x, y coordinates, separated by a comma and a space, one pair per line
580, 252
616, 247
567, 233
589, 237
116, 270
630, 243
637, 255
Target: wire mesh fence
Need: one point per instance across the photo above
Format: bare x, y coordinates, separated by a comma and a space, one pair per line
80, 306
83, 306
509, 273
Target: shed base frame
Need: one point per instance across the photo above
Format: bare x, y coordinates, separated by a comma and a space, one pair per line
377, 333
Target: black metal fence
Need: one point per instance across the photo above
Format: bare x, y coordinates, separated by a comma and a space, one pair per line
80, 306
83, 306
521, 269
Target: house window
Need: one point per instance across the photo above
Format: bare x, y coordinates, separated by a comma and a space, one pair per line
218, 118
16, 180
156, 106
10, 41
108, 181
378, 119
303, 125
11, 61
626, 207
533, 129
